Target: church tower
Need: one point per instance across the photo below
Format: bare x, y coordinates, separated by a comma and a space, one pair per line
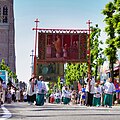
7, 33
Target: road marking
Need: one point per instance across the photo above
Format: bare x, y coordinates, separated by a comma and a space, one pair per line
6, 113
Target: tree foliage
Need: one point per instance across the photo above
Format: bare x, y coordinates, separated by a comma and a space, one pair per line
72, 73
11, 74
112, 20
97, 57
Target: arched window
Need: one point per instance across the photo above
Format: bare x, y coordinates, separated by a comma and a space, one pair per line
5, 14
0, 15
0, 10
5, 10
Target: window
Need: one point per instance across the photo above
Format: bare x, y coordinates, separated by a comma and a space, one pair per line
5, 14
5, 10
0, 11
0, 15
5, 19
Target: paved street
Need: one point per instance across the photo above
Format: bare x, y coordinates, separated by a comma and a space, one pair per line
18, 111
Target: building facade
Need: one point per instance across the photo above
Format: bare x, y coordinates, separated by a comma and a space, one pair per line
7, 33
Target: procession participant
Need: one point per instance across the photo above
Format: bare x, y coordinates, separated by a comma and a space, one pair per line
41, 91
109, 90
63, 89
82, 96
102, 92
97, 95
66, 96
52, 97
18, 95
21, 95
57, 97
30, 92
9, 97
25, 96
116, 96
89, 91
73, 97
13, 94
34, 85
79, 87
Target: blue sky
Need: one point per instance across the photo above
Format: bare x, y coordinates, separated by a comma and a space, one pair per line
52, 14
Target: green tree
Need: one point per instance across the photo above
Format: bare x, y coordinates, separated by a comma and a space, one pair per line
112, 20
97, 57
14, 77
83, 72
75, 72
59, 84
71, 73
3, 66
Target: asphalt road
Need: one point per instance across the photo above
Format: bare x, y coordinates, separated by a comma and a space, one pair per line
18, 111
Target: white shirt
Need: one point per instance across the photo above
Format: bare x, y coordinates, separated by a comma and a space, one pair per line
97, 92
18, 95
52, 95
109, 88
66, 94
92, 83
29, 89
41, 86
57, 95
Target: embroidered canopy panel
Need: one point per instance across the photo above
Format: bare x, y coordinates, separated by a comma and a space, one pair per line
62, 46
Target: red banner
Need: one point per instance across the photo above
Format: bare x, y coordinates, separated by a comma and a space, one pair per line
62, 47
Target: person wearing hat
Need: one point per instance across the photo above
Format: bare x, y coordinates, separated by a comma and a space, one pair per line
40, 92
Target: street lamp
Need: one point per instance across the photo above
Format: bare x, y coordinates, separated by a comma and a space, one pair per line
32, 62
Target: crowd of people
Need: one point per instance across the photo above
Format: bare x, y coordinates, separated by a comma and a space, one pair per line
34, 94
91, 94
9, 93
